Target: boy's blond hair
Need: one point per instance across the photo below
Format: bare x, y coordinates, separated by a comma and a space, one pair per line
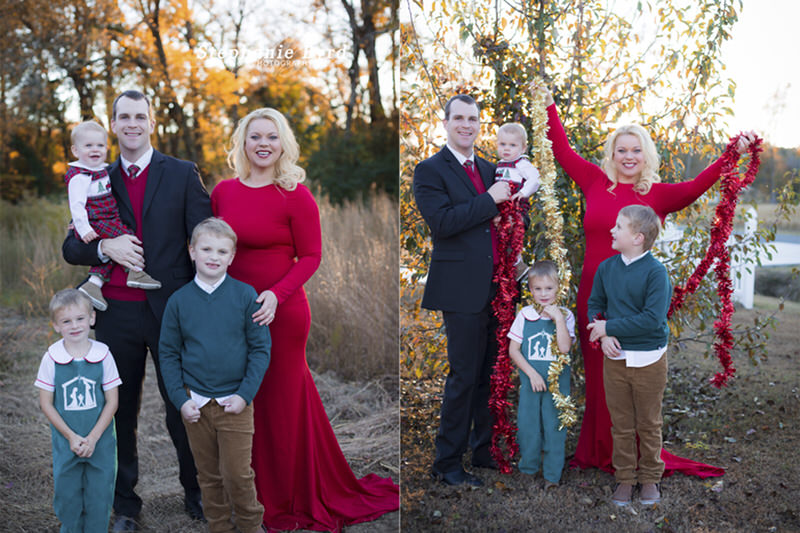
643, 220
514, 128
214, 226
89, 125
66, 298
543, 269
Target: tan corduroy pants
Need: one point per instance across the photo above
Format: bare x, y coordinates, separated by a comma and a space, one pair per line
634, 396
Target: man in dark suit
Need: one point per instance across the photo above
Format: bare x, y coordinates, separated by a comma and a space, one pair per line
161, 198
456, 197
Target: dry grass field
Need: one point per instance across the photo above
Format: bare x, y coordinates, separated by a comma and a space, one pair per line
364, 416
352, 350
750, 428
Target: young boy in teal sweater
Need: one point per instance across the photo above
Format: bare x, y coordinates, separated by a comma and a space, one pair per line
213, 358
631, 293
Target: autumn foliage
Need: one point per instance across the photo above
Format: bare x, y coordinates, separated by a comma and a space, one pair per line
203, 65
658, 66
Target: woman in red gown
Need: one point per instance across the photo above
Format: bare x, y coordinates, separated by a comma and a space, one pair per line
629, 175
302, 478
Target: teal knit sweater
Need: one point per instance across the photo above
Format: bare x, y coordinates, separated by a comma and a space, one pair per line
210, 344
634, 299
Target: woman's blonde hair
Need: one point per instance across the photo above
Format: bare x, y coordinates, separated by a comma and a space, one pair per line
651, 159
287, 173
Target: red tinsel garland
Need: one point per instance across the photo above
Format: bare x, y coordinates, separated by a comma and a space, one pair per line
718, 250
510, 232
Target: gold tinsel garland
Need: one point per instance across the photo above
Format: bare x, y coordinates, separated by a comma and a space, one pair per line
542, 156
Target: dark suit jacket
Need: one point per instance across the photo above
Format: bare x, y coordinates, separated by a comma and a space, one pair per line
460, 273
175, 200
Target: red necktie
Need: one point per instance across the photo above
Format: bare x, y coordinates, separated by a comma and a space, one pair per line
472, 172
133, 170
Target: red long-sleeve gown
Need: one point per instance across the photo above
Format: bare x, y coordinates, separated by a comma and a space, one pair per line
594, 443
302, 478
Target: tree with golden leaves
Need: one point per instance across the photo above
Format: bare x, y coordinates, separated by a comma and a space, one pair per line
657, 66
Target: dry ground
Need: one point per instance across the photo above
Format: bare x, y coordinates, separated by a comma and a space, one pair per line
751, 428
364, 417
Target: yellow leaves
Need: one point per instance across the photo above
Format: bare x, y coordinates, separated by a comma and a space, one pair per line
603, 69
59, 168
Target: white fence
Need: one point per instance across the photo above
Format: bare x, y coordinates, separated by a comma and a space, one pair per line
743, 267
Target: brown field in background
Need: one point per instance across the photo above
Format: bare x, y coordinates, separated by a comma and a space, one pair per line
353, 295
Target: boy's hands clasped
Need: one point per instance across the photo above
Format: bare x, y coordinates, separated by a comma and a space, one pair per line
610, 345
82, 446
234, 405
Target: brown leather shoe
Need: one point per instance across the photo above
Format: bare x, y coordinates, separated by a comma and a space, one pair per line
142, 280
95, 294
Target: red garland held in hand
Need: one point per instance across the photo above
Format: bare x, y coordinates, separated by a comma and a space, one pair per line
717, 249
510, 232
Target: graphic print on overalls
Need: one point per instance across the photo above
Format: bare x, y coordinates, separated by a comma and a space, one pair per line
103, 187
79, 394
539, 346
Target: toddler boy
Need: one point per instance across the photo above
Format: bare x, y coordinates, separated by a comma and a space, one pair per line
213, 358
514, 166
515, 169
631, 293
93, 208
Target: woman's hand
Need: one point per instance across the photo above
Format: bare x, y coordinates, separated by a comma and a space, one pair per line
269, 303
747, 138
537, 89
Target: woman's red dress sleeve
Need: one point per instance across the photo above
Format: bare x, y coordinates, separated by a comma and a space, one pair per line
577, 168
307, 238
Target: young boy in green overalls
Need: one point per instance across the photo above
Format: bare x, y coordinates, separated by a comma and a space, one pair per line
78, 382
535, 330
